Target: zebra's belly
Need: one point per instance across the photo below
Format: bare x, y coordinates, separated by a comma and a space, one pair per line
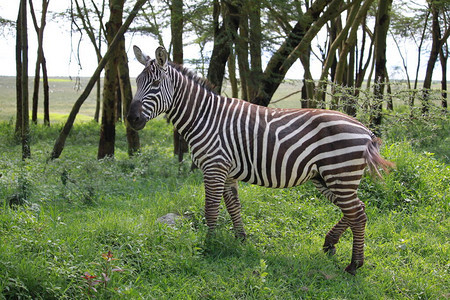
274, 178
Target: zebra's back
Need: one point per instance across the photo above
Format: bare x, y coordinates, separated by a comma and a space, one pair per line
283, 148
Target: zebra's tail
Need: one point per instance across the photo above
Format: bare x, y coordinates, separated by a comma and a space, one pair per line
374, 159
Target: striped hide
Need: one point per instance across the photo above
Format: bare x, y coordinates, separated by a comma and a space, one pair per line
233, 140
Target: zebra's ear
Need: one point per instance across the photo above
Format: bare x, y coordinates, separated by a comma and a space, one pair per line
162, 57
141, 56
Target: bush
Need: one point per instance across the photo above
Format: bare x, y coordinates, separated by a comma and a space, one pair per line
426, 133
418, 179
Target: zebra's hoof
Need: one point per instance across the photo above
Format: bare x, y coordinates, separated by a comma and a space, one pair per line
241, 236
329, 249
351, 268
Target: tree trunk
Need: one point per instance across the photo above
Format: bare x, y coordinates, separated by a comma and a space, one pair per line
180, 145
434, 52
362, 71
443, 57
34, 111
336, 29
419, 52
98, 101
60, 141
254, 14
18, 130
224, 35
381, 30
108, 123
390, 101
46, 91
118, 100
176, 26
83, 14
232, 74
37, 69
40, 55
25, 136
241, 44
308, 82
127, 97
350, 102
98, 98
100, 15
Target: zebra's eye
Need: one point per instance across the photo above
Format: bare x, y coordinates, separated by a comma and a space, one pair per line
156, 82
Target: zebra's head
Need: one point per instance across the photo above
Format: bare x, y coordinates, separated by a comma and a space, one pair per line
154, 89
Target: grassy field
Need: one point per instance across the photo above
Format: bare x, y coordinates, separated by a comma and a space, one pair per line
63, 94
67, 215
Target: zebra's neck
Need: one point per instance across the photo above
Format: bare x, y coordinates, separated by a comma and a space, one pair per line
192, 102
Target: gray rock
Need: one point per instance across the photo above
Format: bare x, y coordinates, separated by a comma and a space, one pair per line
169, 219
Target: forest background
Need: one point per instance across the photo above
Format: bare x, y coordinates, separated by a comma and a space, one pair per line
80, 189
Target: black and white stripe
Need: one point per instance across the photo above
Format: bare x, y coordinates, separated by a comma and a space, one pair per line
232, 140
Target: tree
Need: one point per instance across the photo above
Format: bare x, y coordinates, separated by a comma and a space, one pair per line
224, 35
339, 35
40, 61
180, 146
381, 30
255, 41
108, 123
19, 96
242, 50
349, 47
437, 41
22, 79
443, 57
152, 19
198, 20
127, 96
60, 141
95, 36
293, 46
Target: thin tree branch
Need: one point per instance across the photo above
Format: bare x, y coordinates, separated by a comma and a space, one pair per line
59, 144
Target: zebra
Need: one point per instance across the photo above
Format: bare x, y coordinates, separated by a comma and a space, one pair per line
234, 140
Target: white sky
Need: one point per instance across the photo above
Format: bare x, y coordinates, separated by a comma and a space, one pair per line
61, 62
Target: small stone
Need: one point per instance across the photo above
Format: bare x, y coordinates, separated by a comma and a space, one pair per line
169, 219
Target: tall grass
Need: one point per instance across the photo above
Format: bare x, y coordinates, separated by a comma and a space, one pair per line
77, 208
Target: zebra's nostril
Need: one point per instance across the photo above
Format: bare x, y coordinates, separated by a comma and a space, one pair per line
133, 119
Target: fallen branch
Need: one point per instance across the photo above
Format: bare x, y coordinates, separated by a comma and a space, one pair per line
285, 97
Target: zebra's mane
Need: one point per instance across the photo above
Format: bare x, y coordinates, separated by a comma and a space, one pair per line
203, 82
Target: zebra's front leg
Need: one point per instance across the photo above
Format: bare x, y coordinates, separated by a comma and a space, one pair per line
231, 197
214, 186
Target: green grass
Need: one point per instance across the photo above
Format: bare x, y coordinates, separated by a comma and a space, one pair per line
78, 208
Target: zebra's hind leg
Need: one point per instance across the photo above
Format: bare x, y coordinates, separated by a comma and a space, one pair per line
231, 197
354, 210
354, 217
333, 236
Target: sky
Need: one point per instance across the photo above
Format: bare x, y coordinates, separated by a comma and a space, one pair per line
61, 60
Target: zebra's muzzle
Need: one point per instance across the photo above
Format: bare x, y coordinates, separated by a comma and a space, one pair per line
135, 117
